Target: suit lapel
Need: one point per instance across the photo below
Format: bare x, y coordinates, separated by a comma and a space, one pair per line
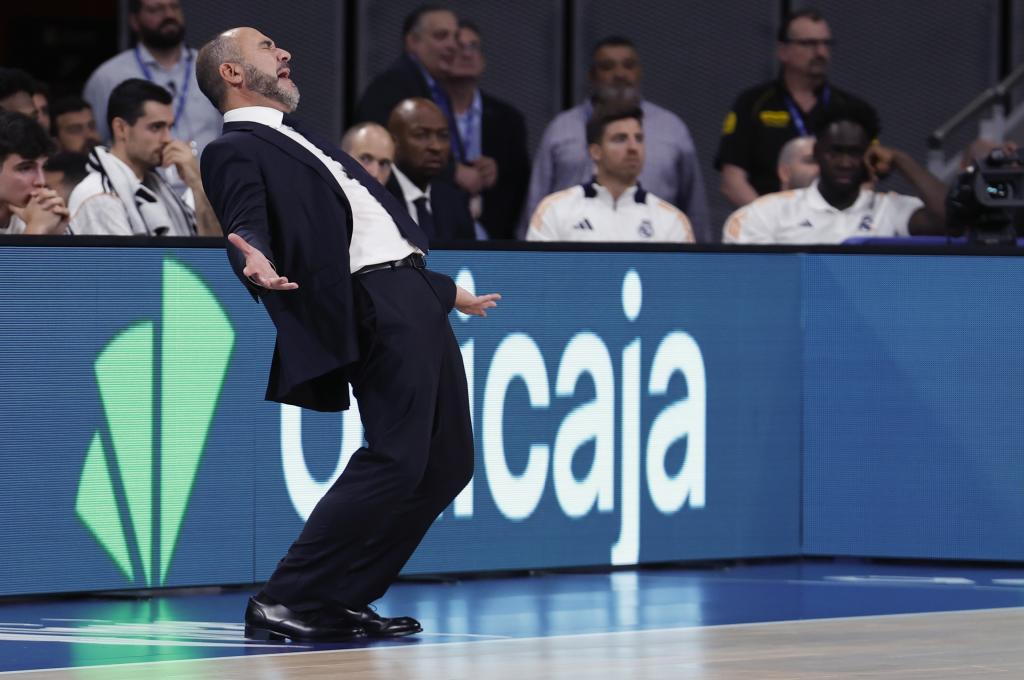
299, 153
406, 226
396, 208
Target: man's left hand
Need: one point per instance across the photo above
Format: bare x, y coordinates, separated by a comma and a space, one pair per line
477, 305
488, 169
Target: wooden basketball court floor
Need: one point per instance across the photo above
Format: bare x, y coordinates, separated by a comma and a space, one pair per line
795, 621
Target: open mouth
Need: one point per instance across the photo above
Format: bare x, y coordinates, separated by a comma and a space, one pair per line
284, 74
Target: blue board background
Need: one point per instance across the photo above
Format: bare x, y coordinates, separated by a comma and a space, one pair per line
64, 305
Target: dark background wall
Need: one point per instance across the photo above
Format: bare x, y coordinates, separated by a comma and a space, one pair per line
918, 61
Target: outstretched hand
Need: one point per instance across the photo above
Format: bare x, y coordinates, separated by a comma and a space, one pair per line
477, 305
258, 268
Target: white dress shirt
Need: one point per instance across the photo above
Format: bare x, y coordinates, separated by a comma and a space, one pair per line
411, 193
375, 236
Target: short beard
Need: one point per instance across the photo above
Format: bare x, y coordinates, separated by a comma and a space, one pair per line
161, 40
261, 83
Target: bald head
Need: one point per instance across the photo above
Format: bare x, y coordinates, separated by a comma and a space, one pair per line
373, 147
797, 167
422, 141
411, 110
243, 67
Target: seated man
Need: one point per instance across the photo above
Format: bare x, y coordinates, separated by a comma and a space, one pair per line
612, 206
74, 126
766, 116
64, 171
373, 147
41, 100
26, 205
422, 149
672, 169
16, 88
797, 167
836, 206
123, 194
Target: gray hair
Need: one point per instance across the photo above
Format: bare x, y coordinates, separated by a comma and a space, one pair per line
220, 50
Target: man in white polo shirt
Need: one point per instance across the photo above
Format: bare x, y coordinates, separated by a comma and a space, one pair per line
838, 206
612, 206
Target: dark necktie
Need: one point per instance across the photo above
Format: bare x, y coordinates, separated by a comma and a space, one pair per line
423, 217
406, 226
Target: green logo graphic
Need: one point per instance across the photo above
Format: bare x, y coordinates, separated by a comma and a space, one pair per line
176, 375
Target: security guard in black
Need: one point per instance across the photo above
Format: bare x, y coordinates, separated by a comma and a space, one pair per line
764, 118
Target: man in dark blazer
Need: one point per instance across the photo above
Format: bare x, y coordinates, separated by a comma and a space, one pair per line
417, 178
333, 257
428, 39
493, 135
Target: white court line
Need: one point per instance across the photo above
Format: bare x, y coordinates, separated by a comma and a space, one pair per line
878, 583
539, 638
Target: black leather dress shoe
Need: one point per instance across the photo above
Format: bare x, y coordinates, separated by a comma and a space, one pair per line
265, 621
374, 624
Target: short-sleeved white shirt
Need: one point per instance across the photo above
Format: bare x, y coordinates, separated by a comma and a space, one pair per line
803, 216
588, 212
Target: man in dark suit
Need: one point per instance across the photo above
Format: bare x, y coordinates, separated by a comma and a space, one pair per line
428, 39
417, 179
493, 134
333, 257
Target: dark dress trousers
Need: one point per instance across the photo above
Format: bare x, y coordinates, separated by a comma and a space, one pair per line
503, 138
386, 333
450, 207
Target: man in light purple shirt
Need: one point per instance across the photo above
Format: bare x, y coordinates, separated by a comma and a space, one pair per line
160, 57
671, 171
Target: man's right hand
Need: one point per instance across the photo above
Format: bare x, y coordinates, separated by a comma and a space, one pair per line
488, 169
45, 213
258, 268
468, 178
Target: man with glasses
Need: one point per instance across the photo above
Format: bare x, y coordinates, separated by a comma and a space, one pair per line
765, 117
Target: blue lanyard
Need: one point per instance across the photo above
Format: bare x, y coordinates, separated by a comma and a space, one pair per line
794, 111
185, 82
440, 98
470, 118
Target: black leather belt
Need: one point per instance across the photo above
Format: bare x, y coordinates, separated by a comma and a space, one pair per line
415, 260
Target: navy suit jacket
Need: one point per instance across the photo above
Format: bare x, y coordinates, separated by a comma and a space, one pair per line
450, 207
503, 138
283, 201
403, 79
